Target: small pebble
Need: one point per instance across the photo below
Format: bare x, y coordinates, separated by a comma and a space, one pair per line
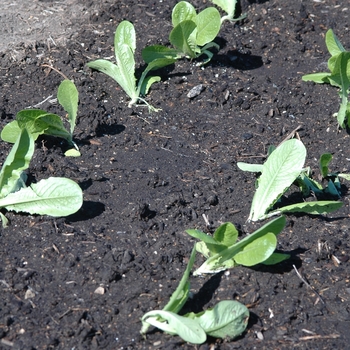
100, 290
195, 91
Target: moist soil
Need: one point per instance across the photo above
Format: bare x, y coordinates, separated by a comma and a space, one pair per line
146, 178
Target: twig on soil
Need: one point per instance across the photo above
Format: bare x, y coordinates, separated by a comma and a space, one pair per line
317, 336
292, 134
56, 70
308, 284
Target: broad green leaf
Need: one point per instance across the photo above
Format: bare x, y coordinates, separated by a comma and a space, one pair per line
325, 159
151, 53
315, 208
68, 97
124, 78
125, 34
183, 37
202, 236
188, 329
143, 84
16, 162
341, 78
10, 132
216, 263
52, 196
39, 122
333, 44
257, 251
147, 83
183, 11
253, 168
226, 234
208, 24
279, 171
227, 320
276, 258
319, 78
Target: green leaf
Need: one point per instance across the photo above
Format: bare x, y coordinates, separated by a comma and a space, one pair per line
144, 84
72, 153
217, 262
325, 159
279, 171
202, 236
226, 234
52, 196
4, 220
125, 34
276, 258
341, 78
10, 132
183, 11
333, 44
208, 24
253, 168
314, 208
345, 176
257, 251
16, 162
183, 37
188, 329
319, 78
68, 97
227, 320
151, 53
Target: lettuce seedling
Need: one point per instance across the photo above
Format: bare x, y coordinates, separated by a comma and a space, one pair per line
124, 71
52, 196
339, 75
227, 320
38, 122
224, 252
281, 169
192, 35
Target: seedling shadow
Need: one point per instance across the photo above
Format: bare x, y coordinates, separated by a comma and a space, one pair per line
204, 295
89, 210
106, 129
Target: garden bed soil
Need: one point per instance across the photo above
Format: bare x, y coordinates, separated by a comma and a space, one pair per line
147, 178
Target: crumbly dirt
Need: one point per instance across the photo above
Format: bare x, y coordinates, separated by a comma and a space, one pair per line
148, 177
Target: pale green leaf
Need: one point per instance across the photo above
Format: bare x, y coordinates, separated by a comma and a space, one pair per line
188, 329
183, 11
257, 251
226, 234
68, 97
228, 6
72, 153
10, 132
125, 34
279, 171
227, 320
253, 168
315, 208
208, 24
183, 37
319, 78
16, 162
151, 53
276, 258
4, 220
345, 176
333, 44
52, 196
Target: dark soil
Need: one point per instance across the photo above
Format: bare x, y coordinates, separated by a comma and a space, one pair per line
148, 177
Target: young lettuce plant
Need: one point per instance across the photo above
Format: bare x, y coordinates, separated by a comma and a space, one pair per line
224, 252
281, 169
52, 196
339, 75
192, 35
227, 320
38, 122
124, 71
